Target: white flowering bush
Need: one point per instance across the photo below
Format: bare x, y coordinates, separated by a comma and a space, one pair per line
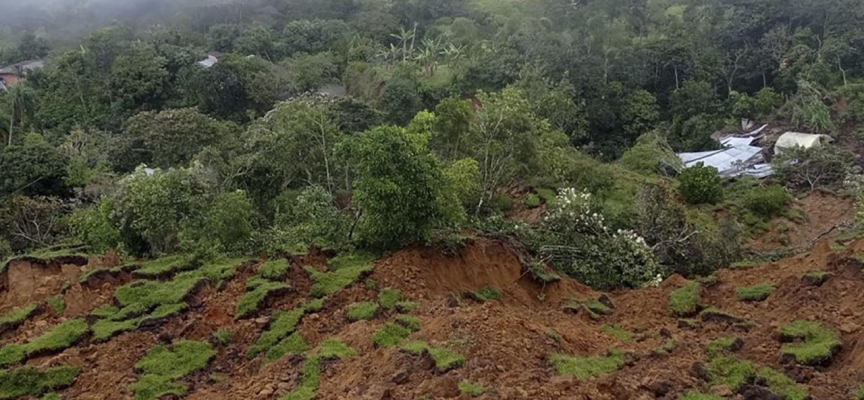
585, 248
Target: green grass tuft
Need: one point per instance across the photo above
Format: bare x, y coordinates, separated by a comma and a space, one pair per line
388, 298
818, 346
667, 347
719, 346
486, 294
587, 367
222, 337
165, 311
552, 334
351, 260
274, 270
415, 348
409, 321
732, 373
445, 359
390, 335
684, 302
406, 306
106, 329
471, 389
859, 395
56, 303
105, 311
335, 348
548, 195
756, 292
325, 283
364, 310
51, 396
294, 344
16, 317
59, 338
217, 272
310, 380
29, 381
149, 294
252, 301
618, 333
161, 366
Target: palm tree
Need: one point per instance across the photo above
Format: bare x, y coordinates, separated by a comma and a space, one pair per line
432, 48
22, 102
453, 54
406, 40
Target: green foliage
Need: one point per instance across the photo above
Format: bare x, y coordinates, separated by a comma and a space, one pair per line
335, 348
57, 304
768, 201
163, 266
651, 155
310, 379
363, 310
817, 167
471, 389
587, 367
486, 294
33, 167
169, 138
311, 218
225, 227
162, 366
700, 185
388, 298
51, 396
95, 227
291, 345
222, 337
252, 300
29, 381
58, 338
390, 335
685, 301
406, 306
859, 395
282, 325
325, 283
445, 359
274, 270
818, 344
531, 200
415, 348
409, 321
732, 373
618, 333
14, 318
397, 187
756, 292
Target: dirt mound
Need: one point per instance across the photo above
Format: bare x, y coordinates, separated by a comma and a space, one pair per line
506, 343
822, 213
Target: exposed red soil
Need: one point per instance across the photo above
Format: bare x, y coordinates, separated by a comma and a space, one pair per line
505, 342
823, 212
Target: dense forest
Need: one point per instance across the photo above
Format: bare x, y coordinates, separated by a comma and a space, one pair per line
379, 124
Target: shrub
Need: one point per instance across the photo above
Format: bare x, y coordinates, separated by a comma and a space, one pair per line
756, 292
225, 226
685, 301
587, 367
95, 227
768, 201
822, 166
579, 243
700, 185
310, 218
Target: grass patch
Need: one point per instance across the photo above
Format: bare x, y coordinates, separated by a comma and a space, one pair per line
714, 314
29, 381
756, 292
684, 302
222, 337
688, 323
106, 329
817, 278
325, 283
719, 346
310, 380
163, 266
817, 345
16, 317
859, 395
532, 200
217, 272
732, 373
363, 310
486, 294
282, 325
294, 344
408, 321
390, 335
414, 348
406, 306
165, 311
147, 295
59, 338
552, 334
162, 366
388, 298
540, 273
51, 396
548, 195
471, 389
252, 301
445, 359
274, 270
587, 367
56, 303
618, 333
354, 259
335, 348
667, 347
594, 308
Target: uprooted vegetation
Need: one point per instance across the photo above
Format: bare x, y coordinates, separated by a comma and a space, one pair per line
587, 367
163, 366
343, 271
809, 343
14, 318
58, 338
281, 328
307, 389
684, 302
443, 358
756, 293
736, 373
29, 381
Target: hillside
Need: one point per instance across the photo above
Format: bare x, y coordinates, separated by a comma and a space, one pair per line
503, 345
